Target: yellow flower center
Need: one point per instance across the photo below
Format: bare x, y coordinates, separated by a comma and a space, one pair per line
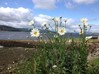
84, 21
35, 33
62, 31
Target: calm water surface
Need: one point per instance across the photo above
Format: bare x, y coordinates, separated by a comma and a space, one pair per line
15, 36
5, 35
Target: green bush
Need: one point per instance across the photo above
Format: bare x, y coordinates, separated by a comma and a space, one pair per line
59, 55
57, 58
93, 66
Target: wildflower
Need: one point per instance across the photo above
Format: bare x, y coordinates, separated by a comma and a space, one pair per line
70, 41
35, 33
61, 30
86, 24
87, 38
31, 23
56, 19
54, 66
84, 20
45, 25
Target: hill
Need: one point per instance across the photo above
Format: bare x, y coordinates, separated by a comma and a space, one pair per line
9, 28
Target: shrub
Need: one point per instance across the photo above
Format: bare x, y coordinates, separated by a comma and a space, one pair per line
93, 66
58, 55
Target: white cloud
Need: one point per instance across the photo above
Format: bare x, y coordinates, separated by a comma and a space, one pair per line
84, 1
51, 4
19, 17
16, 17
69, 5
45, 4
74, 3
42, 18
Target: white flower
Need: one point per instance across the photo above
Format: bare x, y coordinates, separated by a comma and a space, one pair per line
56, 19
35, 33
84, 20
45, 24
70, 40
61, 30
87, 38
31, 23
86, 24
54, 66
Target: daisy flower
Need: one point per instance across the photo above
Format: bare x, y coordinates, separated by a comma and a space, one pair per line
84, 20
35, 33
56, 19
86, 24
61, 30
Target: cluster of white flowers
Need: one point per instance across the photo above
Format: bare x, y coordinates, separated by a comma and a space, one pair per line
60, 30
85, 24
36, 33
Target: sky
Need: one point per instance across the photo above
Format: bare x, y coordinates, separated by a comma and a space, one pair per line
18, 13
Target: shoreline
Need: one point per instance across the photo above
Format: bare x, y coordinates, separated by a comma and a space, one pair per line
19, 43
30, 43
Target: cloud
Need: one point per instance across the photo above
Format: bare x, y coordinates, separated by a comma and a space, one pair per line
69, 5
52, 4
84, 1
19, 17
15, 17
45, 4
